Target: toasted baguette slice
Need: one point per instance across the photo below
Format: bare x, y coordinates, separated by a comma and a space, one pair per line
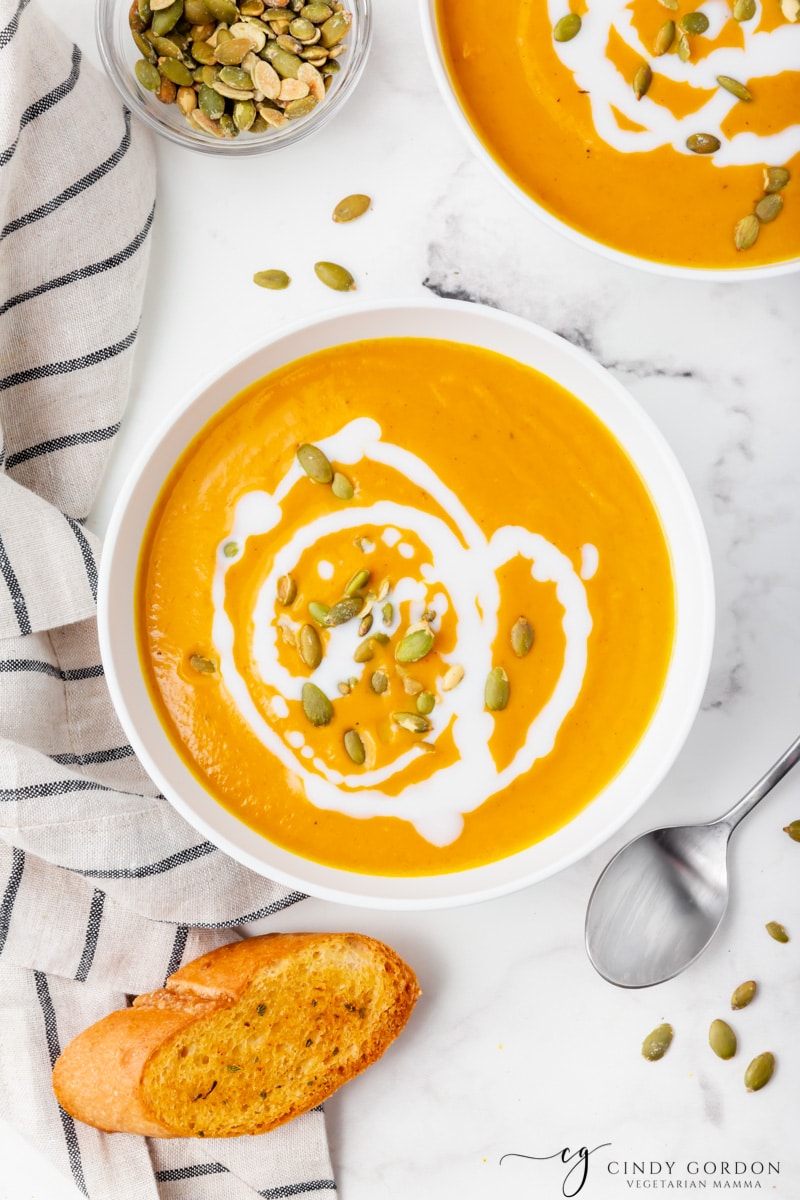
240, 1040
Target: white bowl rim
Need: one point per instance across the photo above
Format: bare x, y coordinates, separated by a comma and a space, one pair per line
675, 712
427, 11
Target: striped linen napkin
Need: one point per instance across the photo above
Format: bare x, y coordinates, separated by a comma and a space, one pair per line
104, 889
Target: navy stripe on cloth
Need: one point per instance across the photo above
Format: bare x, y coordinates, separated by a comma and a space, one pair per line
48, 370
57, 787
88, 556
7, 34
75, 189
10, 894
87, 272
54, 1049
268, 910
93, 757
175, 1174
157, 868
13, 666
178, 949
15, 591
92, 935
65, 442
297, 1189
44, 103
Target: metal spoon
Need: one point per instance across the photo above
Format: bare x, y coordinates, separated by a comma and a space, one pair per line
661, 899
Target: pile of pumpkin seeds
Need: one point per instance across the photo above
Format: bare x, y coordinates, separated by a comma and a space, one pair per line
766, 209
237, 67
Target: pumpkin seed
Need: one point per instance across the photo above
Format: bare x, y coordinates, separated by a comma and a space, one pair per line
316, 705
744, 10
165, 46
793, 830
657, 1043
364, 652
351, 208
777, 931
343, 611
198, 12
223, 10
314, 463
303, 30
387, 613
200, 119
746, 232
722, 1039
226, 124
286, 590
235, 77
414, 646
256, 37
341, 487
316, 13
231, 53
355, 747
230, 549
288, 43
496, 692
344, 688
175, 71
319, 612
273, 279
335, 29
683, 49
148, 75
664, 38
769, 207
694, 22
211, 103
204, 666
357, 582
413, 722
642, 80
734, 87
167, 19
702, 143
186, 100
759, 1072
285, 64
521, 637
365, 625
426, 702
743, 994
334, 276
412, 687
143, 46
567, 27
310, 646
672, 5
157, 5
775, 178
381, 638
379, 681
452, 677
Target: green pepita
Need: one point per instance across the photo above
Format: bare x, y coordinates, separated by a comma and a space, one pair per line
273, 279
351, 208
319, 612
387, 613
414, 646
235, 77
702, 143
793, 830
664, 38
335, 29
309, 646
176, 71
775, 179
341, 487
746, 232
357, 582
316, 705
381, 638
695, 22
769, 207
759, 1072
379, 681
203, 53
683, 49
303, 30
365, 651
314, 463
642, 80
413, 722
365, 625
287, 65
231, 53
332, 274
204, 666
672, 5
744, 10
198, 12
722, 1039
167, 19
426, 702
567, 27
355, 747
657, 1043
286, 589
316, 13
344, 610
735, 88
230, 549
521, 637
743, 995
222, 10
211, 103
166, 47
497, 690
148, 75
777, 931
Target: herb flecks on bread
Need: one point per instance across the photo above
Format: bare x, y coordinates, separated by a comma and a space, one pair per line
240, 1040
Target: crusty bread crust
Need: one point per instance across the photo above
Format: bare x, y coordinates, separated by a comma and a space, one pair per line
242, 1039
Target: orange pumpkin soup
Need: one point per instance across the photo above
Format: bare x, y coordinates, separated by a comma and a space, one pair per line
645, 137
405, 606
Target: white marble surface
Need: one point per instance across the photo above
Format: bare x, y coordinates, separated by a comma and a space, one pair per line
517, 1046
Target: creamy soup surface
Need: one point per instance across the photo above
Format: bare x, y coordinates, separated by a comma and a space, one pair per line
510, 617
597, 128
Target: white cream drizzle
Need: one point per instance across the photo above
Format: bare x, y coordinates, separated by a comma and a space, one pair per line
765, 53
463, 566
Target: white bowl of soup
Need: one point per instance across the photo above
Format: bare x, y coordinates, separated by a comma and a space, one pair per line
410, 607
661, 133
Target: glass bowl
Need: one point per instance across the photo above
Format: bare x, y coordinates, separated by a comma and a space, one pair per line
119, 54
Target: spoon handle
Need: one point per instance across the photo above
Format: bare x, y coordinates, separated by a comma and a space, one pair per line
765, 784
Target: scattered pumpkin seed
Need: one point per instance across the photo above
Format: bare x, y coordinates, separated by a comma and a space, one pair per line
496, 692
273, 279
314, 463
411, 686
672, 5
379, 681
365, 651
319, 612
310, 646
301, 108
777, 931
694, 22
344, 688
148, 75
722, 1039
355, 747
642, 80
341, 487
521, 637
664, 38
335, 276
230, 549
746, 232
413, 722
734, 87
211, 103
335, 29
775, 178
702, 143
176, 71
387, 613
358, 581
414, 646
759, 1072
744, 10
683, 49
426, 702
316, 705
204, 666
351, 208
769, 207
743, 995
793, 830
657, 1043
791, 10
343, 610
365, 625
286, 590
167, 18
453, 677
567, 27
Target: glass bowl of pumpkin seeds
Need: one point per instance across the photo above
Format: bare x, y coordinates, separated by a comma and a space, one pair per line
234, 76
